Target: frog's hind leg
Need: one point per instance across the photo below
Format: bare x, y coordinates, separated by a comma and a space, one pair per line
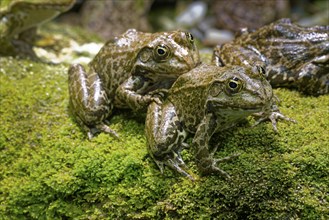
313, 77
165, 137
89, 101
174, 161
175, 164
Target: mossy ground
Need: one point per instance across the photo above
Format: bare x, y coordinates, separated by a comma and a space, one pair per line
49, 170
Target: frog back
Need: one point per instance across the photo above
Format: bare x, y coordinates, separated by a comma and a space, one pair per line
189, 94
157, 56
115, 61
287, 45
231, 93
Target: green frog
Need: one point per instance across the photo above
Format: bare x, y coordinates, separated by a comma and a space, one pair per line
19, 19
292, 56
205, 101
125, 72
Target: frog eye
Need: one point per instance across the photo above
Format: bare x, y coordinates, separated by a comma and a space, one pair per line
261, 70
233, 85
161, 52
189, 37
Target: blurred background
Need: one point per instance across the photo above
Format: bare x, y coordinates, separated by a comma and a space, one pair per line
212, 22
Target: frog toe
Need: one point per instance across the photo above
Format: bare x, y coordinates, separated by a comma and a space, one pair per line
177, 167
92, 131
221, 160
174, 161
209, 165
274, 117
228, 158
221, 172
106, 129
160, 165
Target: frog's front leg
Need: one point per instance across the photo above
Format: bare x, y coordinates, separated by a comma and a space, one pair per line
205, 159
89, 101
29, 36
165, 137
133, 94
16, 47
272, 112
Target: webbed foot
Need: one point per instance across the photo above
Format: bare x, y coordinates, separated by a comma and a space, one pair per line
175, 162
273, 117
272, 113
102, 127
209, 165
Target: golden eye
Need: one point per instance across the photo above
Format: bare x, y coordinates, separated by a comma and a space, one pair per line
233, 85
189, 37
161, 52
261, 70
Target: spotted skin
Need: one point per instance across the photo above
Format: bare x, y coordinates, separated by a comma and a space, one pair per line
19, 19
292, 56
204, 101
125, 72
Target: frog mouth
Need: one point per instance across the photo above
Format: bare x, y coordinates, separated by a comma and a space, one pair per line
160, 84
154, 76
253, 109
222, 107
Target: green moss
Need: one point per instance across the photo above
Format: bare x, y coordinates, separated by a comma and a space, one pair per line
49, 170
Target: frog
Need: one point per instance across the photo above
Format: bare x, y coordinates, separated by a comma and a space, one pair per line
293, 56
125, 72
231, 14
204, 101
19, 20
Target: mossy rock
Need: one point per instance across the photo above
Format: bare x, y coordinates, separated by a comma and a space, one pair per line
49, 170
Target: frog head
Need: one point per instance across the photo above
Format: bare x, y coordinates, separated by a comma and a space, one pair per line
166, 56
230, 93
237, 93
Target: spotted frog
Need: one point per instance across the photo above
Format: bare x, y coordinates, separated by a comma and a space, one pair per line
292, 56
125, 72
19, 19
205, 101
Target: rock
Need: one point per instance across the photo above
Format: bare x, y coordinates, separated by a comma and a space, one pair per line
236, 14
193, 14
214, 37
